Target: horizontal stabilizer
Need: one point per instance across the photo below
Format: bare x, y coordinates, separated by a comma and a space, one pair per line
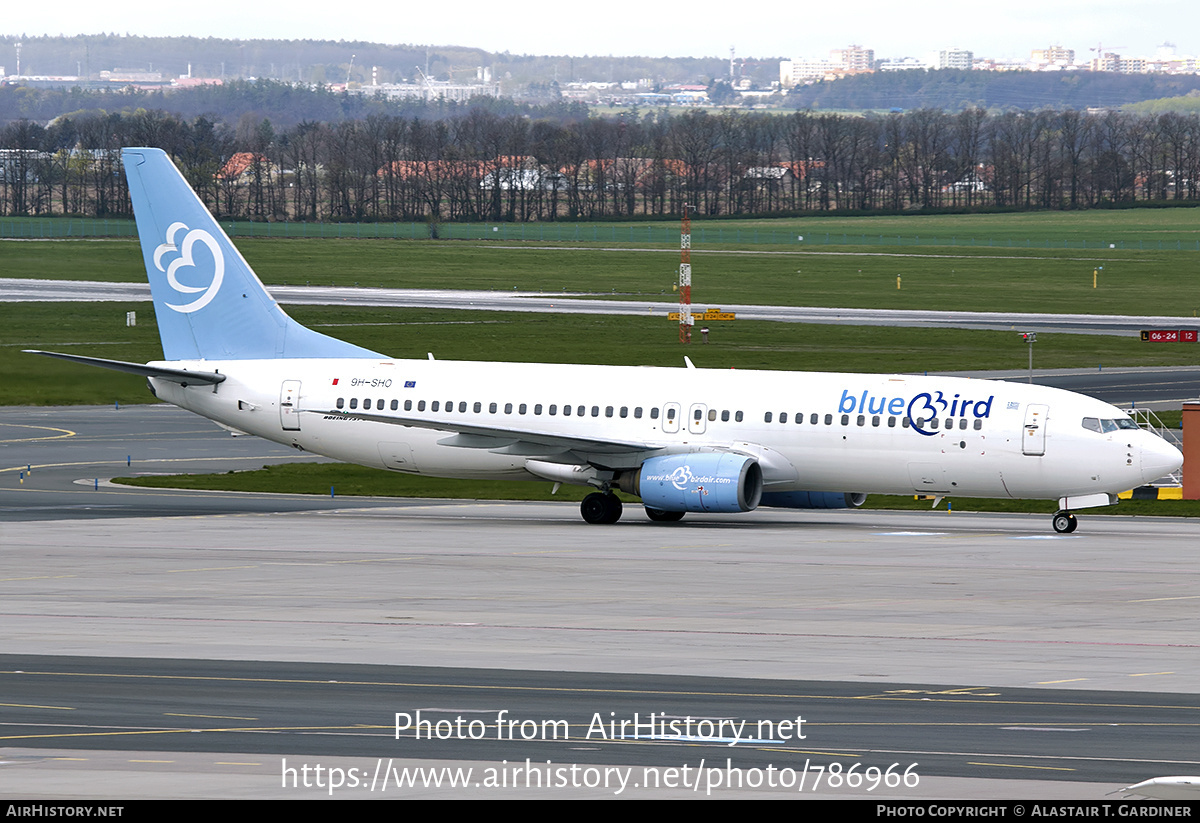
180, 376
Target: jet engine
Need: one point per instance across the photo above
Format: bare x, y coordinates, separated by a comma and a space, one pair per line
700, 482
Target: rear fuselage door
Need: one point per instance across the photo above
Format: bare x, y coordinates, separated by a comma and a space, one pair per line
289, 406
696, 420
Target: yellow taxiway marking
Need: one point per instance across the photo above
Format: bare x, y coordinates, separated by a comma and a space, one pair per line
1159, 599
1020, 766
35, 706
62, 433
208, 716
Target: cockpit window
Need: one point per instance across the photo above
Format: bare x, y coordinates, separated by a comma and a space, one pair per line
1103, 426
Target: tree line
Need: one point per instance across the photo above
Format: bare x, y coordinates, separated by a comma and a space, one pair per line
476, 163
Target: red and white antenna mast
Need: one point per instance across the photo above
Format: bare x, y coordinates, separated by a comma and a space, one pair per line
685, 278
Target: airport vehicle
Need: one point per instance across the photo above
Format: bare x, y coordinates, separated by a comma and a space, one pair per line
683, 440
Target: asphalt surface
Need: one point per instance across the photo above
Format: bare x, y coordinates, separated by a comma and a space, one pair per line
16, 289
195, 644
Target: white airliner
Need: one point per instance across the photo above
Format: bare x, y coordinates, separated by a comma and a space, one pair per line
683, 440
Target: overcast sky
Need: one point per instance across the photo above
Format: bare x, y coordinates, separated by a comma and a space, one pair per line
769, 28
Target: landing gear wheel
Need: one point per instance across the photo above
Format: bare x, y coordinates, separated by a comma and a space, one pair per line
1065, 522
601, 508
660, 516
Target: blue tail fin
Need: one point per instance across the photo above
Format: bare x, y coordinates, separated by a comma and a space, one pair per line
209, 303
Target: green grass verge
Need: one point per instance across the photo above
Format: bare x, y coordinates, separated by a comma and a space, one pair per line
364, 482
1096, 228
1149, 282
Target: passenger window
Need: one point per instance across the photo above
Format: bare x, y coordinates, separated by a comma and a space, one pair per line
433, 406
408, 405
637, 412
862, 420
829, 420
596, 411
579, 411
799, 418
814, 419
624, 411
875, 421
566, 411
508, 408
725, 416
462, 406
654, 413
537, 408
492, 408
608, 411
395, 405
891, 422
962, 424
478, 407
354, 402
783, 417
904, 422
697, 415
845, 420
521, 408
367, 404
767, 417
737, 417
978, 425
553, 409
341, 402
670, 415
712, 415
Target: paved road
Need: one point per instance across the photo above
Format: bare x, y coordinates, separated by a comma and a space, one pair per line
14, 289
315, 712
291, 626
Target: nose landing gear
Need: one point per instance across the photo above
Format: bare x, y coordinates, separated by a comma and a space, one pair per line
1065, 522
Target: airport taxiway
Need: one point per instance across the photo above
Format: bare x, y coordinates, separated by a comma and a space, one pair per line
981, 646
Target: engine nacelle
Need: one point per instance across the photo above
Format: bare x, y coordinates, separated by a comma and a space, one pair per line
700, 482
813, 500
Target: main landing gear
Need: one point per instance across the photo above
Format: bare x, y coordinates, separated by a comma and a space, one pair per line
601, 507
1065, 522
660, 516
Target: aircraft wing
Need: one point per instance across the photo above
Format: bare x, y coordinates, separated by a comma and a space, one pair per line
502, 440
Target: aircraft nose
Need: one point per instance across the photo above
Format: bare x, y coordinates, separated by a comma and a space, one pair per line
1159, 458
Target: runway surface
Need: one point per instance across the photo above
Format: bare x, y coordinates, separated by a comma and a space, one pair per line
980, 647
18, 289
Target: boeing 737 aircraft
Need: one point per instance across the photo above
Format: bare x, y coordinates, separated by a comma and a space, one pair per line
683, 440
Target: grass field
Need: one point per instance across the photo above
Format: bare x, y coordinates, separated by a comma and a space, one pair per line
1098, 228
1131, 282
320, 478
